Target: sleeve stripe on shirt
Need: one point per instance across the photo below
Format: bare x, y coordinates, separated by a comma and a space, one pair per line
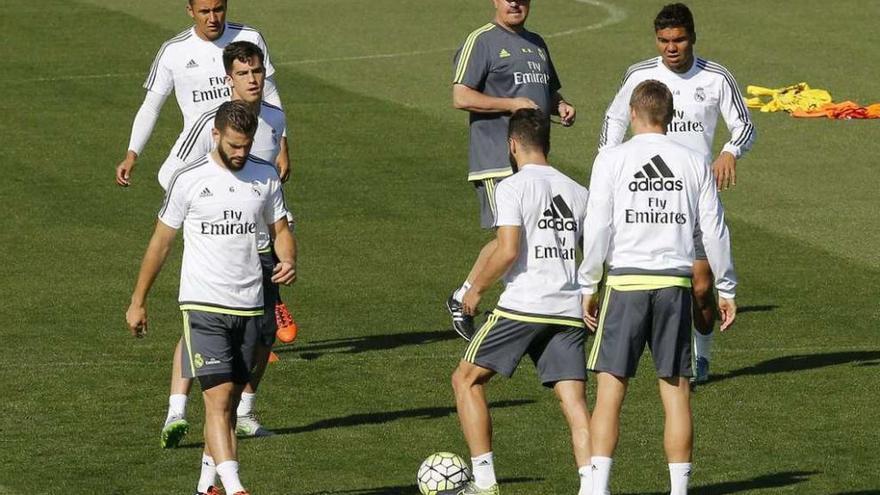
734, 91
603, 137
186, 147
272, 106
745, 135
239, 27
466, 49
645, 65
154, 69
174, 178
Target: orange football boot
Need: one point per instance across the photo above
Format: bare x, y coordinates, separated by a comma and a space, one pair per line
287, 328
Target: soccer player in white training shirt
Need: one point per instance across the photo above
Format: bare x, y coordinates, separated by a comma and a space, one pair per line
191, 64
701, 90
221, 201
646, 197
539, 223
243, 61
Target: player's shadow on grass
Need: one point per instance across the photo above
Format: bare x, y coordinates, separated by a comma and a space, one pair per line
410, 489
776, 480
356, 345
801, 362
376, 419
757, 308
388, 416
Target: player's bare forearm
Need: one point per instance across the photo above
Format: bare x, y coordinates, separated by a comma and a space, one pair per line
285, 249
155, 256
471, 100
283, 161
500, 260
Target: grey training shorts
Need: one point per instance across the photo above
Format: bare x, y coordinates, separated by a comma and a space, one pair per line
629, 319
218, 347
485, 190
555, 344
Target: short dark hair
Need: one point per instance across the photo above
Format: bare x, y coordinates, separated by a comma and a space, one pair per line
675, 15
191, 2
652, 101
238, 116
243, 51
531, 128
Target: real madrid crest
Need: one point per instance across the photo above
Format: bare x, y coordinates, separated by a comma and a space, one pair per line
700, 94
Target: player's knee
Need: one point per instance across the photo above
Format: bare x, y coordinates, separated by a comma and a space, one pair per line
459, 380
466, 377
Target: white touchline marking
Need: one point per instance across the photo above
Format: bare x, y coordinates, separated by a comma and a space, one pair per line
615, 15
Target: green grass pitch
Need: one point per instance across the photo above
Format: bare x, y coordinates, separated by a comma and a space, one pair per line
388, 226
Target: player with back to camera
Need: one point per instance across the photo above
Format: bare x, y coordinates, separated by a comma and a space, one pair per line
538, 224
646, 197
702, 90
500, 68
221, 201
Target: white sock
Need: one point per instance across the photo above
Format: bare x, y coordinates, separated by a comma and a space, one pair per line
586, 475
208, 478
703, 345
459, 294
484, 470
246, 404
228, 471
601, 475
679, 475
176, 405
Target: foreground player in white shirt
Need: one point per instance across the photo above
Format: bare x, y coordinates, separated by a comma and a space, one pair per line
191, 64
243, 61
647, 195
539, 221
221, 202
702, 90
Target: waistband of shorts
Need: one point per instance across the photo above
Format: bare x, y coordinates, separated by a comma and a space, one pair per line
510, 314
647, 282
208, 308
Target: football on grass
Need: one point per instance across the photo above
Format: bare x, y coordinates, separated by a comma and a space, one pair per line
442, 471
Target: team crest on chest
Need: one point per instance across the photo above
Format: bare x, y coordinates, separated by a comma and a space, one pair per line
700, 94
255, 188
543, 54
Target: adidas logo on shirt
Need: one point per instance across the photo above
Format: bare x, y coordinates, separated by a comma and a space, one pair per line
558, 216
655, 176
192, 64
206, 193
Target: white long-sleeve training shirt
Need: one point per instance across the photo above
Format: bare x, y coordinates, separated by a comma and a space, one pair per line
699, 96
193, 69
646, 196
